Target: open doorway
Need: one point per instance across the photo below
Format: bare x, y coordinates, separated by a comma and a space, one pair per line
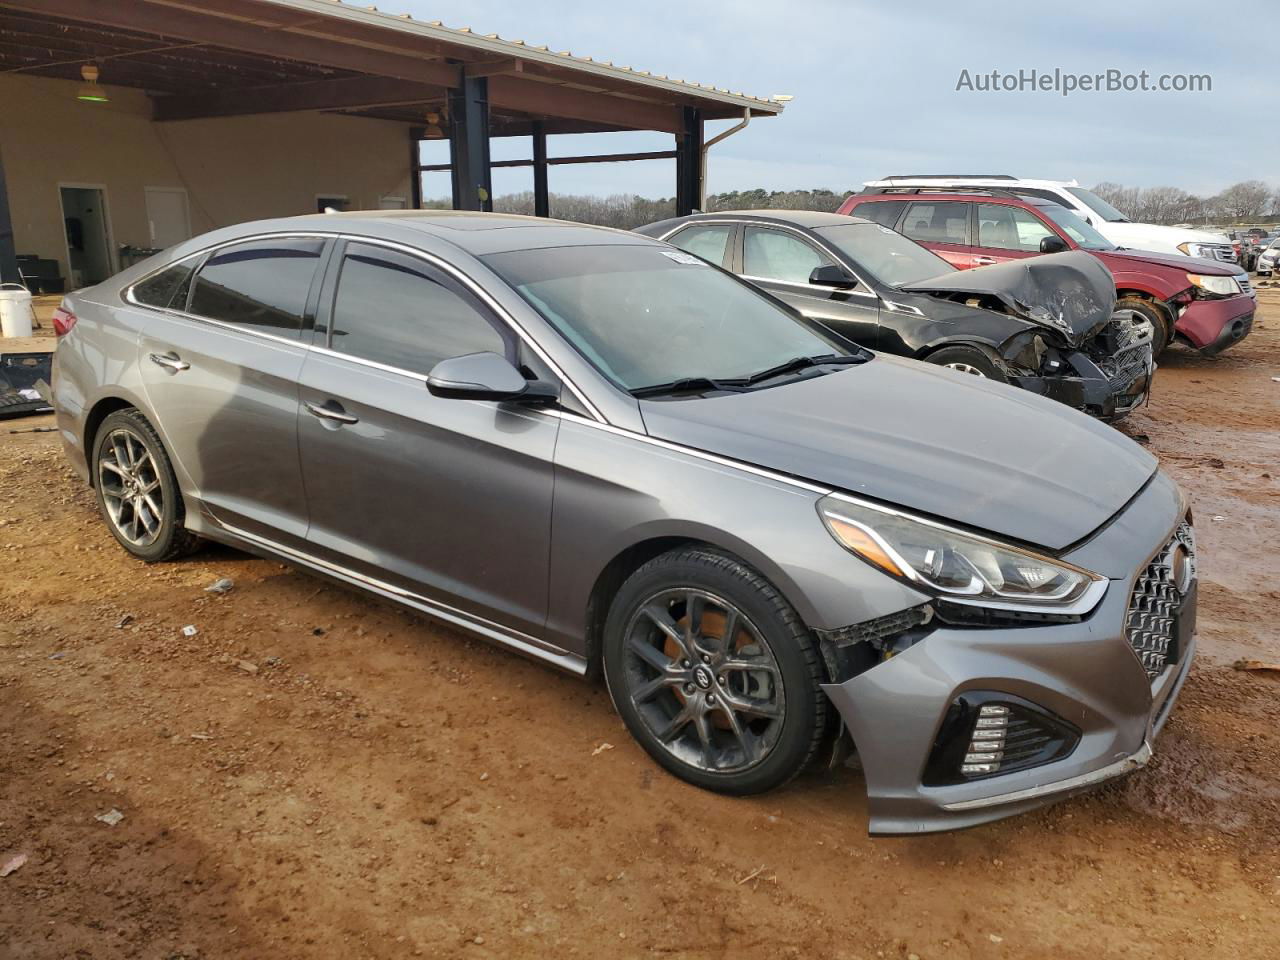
84, 212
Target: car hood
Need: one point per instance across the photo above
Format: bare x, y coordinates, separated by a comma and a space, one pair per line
1131, 259
1130, 234
1071, 292
953, 446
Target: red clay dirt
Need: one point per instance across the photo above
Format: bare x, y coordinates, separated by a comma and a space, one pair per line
317, 775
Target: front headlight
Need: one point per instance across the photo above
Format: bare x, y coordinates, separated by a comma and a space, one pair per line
1196, 249
958, 566
1215, 285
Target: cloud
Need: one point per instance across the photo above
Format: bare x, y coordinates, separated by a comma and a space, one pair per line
874, 88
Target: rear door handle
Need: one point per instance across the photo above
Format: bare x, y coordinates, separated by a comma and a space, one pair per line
330, 410
984, 260
170, 361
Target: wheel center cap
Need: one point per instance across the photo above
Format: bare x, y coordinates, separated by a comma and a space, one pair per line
703, 677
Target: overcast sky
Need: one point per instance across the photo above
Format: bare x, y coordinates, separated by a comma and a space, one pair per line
875, 88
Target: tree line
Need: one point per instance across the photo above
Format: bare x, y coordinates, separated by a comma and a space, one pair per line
1240, 203
1244, 202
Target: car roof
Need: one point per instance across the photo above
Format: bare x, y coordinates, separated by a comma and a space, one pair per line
809, 219
476, 233
965, 195
925, 180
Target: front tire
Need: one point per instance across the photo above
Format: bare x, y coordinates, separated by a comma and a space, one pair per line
968, 359
714, 673
137, 490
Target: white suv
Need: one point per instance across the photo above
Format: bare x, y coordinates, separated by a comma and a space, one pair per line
1106, 219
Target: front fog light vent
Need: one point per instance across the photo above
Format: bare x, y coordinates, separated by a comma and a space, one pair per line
987, 743
981, 738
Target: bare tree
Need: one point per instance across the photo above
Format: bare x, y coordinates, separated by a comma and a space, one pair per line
1246, 200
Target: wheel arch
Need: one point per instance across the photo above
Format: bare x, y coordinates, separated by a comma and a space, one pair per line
626, 561
992, 350
101, 409
991, 337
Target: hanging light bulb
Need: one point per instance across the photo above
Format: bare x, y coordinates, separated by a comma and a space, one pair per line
432, 130
89, 91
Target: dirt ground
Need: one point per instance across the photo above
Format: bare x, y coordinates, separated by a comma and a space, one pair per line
317, 775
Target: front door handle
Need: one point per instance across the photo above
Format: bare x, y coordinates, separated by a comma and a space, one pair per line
170, 361
984, 260
330, 410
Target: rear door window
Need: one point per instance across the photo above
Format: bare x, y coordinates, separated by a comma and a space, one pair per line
774, 255
884, 212
399, 310
260, 285
942, 221
710, 242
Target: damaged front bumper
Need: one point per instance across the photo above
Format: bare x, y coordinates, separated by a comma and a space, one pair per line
1212, 326
1107, 378
1088, 388
1078, 704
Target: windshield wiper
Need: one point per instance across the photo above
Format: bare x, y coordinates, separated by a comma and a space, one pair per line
800, 363
687, 385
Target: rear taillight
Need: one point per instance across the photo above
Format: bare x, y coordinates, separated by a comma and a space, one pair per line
63, 321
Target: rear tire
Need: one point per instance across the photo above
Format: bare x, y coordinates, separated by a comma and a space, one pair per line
738, 713
1159, 321
137, 490
968, 359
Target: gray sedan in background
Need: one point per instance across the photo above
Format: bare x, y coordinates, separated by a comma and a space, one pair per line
604, 453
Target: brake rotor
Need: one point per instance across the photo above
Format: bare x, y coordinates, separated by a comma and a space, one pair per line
712, 629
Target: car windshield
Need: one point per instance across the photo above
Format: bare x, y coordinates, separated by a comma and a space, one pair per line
1099, 206
652, 315
888, 256
1084, 235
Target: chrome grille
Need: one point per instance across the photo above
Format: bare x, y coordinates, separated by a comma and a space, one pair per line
1153, 603
1245, 285
1223, 251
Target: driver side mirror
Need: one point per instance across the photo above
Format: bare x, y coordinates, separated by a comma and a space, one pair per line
486, 376
831, 275
1053, 245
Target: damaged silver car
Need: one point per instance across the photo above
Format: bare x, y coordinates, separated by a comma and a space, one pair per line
1046, 324
601, 452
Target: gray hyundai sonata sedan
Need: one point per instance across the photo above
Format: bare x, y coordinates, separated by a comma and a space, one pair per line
604, 453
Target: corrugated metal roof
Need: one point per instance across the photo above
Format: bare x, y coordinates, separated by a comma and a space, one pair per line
492, 43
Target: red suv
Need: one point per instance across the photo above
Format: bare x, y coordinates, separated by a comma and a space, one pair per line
1206, 304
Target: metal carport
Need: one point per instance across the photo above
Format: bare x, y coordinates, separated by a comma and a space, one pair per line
225, 58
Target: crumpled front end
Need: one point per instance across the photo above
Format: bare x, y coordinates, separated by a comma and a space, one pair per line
964, 718
1107, 376
1072, 294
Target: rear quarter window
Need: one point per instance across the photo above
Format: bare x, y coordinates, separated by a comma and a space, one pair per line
166, 289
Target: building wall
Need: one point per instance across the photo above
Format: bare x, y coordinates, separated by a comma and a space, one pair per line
233, 169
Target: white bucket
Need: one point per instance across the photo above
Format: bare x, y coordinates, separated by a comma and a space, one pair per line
16, 312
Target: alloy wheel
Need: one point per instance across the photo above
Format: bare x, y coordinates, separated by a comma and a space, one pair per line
131, 488
704, 680
965, 368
